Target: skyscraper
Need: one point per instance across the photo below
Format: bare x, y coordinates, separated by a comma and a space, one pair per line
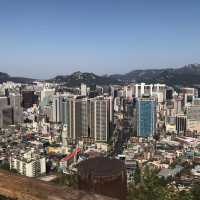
101, 117
15, 102
28, 98
6, 117
75, 117
193, 118
146, 117
87, 118
81, 114
68, 118
181, 123
83, 89
57, 108
3, 101
46, 95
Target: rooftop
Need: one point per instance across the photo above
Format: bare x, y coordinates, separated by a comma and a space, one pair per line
101, 166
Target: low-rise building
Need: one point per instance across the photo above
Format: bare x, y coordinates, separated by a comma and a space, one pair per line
29, 163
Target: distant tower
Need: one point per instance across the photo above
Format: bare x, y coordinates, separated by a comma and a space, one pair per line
181, 123
15, 102
146, 117
28, 98
169, 94
83, 89
57, 108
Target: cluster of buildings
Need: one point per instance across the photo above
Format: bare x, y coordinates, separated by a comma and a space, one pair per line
48, 127
83, 117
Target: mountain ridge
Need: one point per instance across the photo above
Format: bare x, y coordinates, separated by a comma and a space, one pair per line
188, 75
4, 77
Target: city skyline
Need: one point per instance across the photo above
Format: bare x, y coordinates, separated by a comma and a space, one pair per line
42, 39
99, 99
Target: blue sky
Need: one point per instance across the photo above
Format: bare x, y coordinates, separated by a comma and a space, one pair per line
43, 38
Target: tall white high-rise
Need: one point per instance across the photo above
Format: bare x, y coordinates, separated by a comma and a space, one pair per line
83, 89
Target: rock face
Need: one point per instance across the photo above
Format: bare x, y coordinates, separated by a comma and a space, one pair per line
23, 188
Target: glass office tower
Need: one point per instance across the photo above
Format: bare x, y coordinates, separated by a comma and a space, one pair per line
146, 117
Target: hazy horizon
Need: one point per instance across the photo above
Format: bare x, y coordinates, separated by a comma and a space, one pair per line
42, 39
99, 74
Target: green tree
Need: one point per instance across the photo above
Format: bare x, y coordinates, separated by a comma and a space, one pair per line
151, 187
67, 180
185, 195
137, 174
195, 191
5, 166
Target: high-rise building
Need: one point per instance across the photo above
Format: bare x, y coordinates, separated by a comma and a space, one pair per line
146, 117
28, 98
15, 102
6, 116
181, 123
193, 118
187, 94
65, 111
46, 96
82, 118
128, 92
101, 117
83, 89
169, 94
3, 101
198, 92
87, 118
68, 118
10, 110
148, 89
178, 104
57, 108
75, 117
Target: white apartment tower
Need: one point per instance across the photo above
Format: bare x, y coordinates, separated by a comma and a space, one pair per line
83, 89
